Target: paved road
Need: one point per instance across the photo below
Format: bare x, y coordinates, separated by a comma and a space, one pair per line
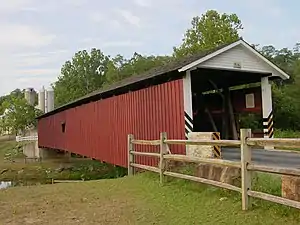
265, 157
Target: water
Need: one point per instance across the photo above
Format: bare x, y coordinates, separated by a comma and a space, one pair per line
5, 184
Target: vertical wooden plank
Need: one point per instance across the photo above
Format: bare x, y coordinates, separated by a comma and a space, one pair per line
246, 175
130, 156
163, 151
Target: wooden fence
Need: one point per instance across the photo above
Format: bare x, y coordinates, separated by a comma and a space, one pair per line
246, 165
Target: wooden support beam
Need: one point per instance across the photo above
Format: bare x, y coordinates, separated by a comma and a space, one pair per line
203, 180
130, 155
146, 142
151, 154
246, 174
144, 167
163, 151
276, 142
205, 142
276, 199
275, 170
185, 158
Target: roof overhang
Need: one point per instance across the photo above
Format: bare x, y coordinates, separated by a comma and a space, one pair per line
197, 63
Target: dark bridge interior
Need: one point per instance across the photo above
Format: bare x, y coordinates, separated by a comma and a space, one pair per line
219, 100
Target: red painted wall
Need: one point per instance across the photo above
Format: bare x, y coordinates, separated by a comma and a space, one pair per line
99, 129
239, 100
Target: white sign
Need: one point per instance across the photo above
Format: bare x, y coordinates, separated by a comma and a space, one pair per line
250, 101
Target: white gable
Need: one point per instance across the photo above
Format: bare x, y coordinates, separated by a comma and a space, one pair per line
240, 57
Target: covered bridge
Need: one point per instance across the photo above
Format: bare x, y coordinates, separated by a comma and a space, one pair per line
203, 92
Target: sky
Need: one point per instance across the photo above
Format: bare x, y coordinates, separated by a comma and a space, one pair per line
37, 37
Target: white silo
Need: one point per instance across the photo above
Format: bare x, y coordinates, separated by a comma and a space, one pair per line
49, 100
30, 96
41, 99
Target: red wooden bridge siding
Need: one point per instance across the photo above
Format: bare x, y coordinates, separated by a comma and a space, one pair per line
99, 129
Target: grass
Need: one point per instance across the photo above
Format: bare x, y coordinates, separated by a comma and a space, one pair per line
134, 200
130, 200
287, 134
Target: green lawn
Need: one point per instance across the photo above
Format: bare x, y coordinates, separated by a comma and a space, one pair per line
134, 200
130, 200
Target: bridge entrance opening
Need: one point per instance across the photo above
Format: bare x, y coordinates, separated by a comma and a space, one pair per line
225, 101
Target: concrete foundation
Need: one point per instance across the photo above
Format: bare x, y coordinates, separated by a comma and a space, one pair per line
202, 151
223, 174
33, 153
290, 187
31, 150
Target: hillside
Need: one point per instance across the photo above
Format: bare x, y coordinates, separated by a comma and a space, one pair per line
133, 200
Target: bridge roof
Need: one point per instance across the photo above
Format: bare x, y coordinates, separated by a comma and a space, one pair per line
179, 65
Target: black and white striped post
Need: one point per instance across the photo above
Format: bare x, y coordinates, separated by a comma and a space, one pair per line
267, 109
188, 106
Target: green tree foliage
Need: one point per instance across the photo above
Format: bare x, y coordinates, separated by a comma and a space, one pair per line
84, 73
285, 58
16, 93
19, 116
209, 31
120, 68
286, 94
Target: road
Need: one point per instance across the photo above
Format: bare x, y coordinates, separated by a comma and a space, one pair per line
264, 157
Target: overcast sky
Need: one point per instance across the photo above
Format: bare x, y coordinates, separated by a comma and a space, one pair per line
38, 36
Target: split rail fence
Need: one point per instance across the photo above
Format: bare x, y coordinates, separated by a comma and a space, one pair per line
246, 143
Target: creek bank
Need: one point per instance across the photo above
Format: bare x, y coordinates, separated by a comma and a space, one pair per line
15, 169
44, 172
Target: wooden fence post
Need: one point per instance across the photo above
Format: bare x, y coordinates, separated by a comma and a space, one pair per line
163, 150
130, 155
246, 174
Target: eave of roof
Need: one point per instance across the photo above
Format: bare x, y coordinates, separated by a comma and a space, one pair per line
180, 65
198, 62
173, 65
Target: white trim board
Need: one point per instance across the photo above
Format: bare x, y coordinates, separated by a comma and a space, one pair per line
200, 61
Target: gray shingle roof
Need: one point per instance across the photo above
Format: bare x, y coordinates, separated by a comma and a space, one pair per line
173, 65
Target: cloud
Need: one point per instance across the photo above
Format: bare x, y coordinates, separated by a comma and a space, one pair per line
122, 44
76, 3
28, 54
14, 5
109, 44
129, 17
266, 7
142, 3
30, 9
35, 59
15, 35
96, 17
35, 73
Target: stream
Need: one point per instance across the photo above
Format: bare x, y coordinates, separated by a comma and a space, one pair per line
5, 184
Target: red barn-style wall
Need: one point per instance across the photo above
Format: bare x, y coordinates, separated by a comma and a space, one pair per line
99, 129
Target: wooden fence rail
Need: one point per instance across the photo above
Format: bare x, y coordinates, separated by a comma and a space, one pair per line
247, 166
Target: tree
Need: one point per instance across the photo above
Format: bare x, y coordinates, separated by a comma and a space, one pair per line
83, 74
209, 31
285, 94
120, 68
19, 115
17, 93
